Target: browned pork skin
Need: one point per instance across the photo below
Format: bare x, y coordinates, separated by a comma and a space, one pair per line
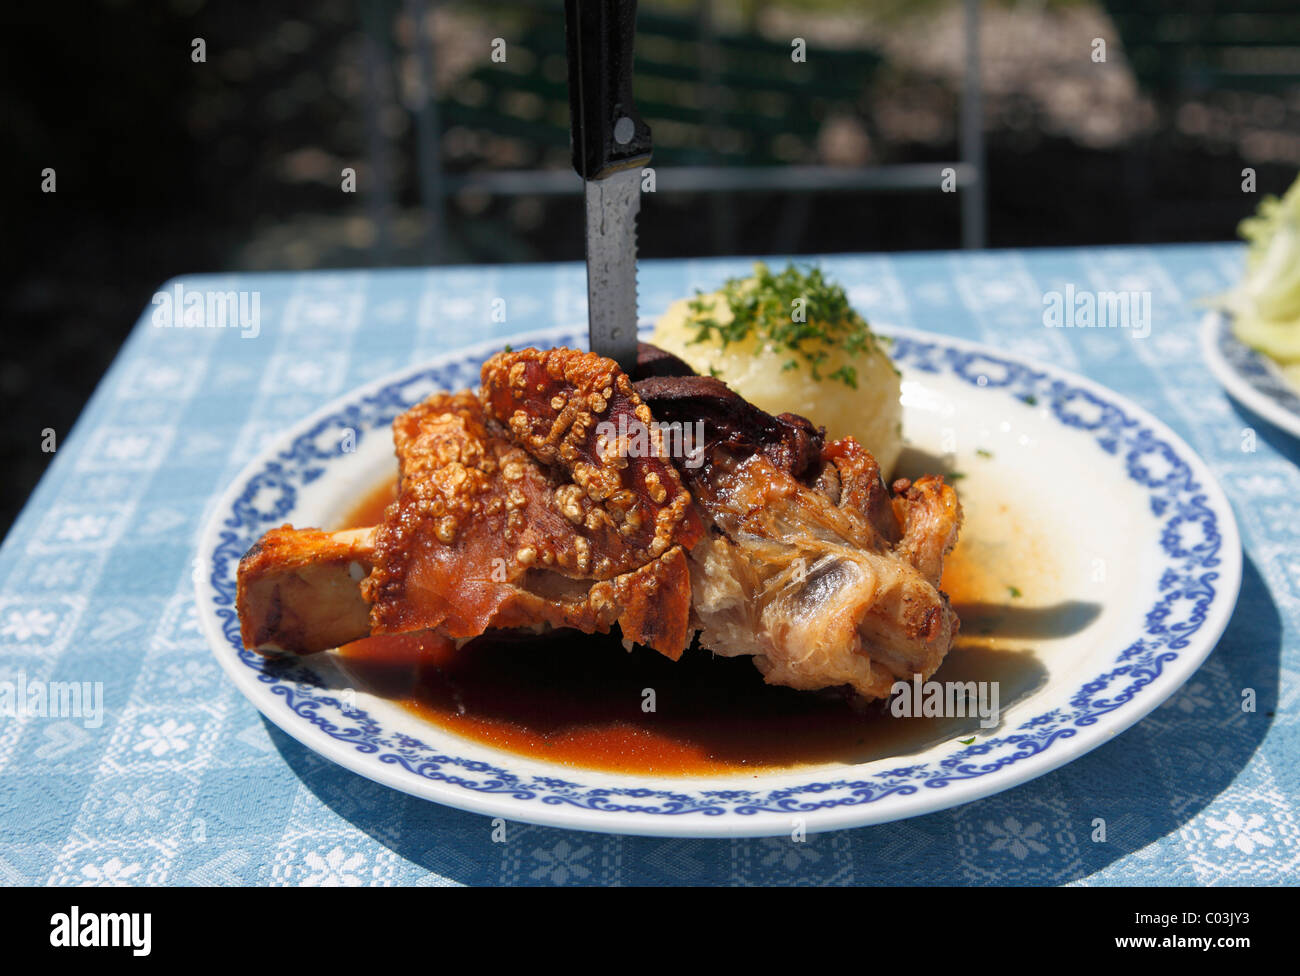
507, 516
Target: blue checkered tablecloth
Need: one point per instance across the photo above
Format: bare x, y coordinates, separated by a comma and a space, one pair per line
184, 782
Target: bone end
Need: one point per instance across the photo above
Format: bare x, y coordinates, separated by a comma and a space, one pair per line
299, 590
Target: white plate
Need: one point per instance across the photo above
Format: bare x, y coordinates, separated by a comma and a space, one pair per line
1250, 377
1108, 523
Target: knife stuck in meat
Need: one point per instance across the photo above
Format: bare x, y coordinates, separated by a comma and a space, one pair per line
611, 145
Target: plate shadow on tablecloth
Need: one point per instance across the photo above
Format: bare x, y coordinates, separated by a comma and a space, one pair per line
1275, 437
1146, 784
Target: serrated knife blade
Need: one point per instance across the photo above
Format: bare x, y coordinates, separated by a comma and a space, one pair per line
611, 145
612, 207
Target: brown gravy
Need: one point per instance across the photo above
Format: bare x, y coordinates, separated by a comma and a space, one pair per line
580, 700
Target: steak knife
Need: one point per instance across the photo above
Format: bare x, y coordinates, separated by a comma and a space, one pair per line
611, 144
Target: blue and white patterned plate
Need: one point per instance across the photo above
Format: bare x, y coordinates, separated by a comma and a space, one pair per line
1102, 519
1250, 377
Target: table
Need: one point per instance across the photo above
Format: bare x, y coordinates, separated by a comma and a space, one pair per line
185, 783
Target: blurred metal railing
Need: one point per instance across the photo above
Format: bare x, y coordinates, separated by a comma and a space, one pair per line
435, 184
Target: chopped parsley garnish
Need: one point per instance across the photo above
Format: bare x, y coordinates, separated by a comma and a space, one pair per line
955, 475
983, 453
1029, 399
1013, 590
847, 375
795, 311
967, 742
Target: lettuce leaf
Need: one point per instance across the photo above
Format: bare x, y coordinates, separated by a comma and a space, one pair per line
1266, 305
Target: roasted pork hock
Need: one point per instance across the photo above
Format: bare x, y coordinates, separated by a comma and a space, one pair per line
548, 499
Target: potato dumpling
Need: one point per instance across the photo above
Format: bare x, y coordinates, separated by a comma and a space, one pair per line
790, 343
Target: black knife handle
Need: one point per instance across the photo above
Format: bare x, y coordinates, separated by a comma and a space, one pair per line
598, 36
